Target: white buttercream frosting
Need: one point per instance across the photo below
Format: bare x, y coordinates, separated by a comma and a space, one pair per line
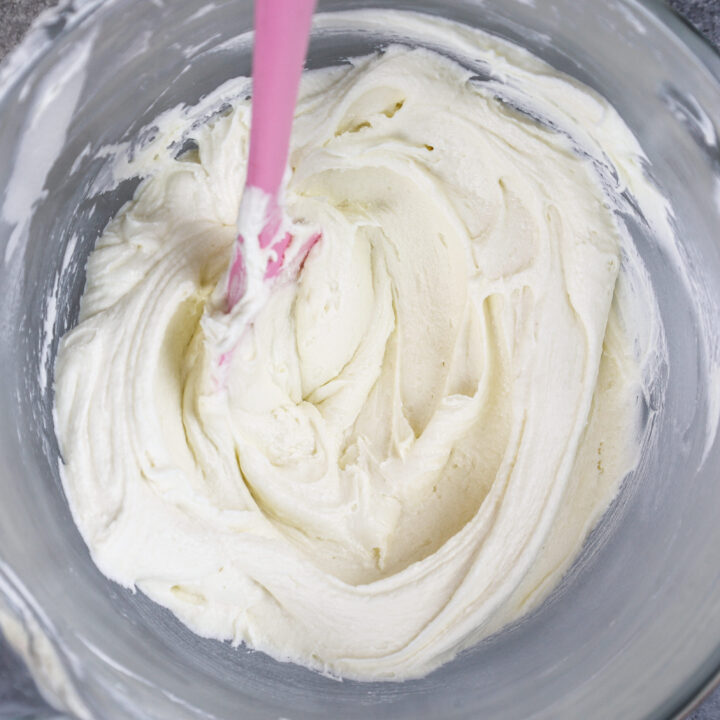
417, 433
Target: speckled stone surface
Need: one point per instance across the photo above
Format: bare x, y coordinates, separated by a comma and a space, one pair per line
15, 17
703, 14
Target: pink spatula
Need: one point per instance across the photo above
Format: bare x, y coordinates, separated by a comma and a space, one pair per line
264, 246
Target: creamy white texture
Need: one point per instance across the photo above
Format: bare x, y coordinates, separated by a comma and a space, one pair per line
416, 434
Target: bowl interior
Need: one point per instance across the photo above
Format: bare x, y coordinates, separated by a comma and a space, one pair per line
634, 628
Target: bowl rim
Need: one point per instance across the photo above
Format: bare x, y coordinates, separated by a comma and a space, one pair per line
709, 55
59, 20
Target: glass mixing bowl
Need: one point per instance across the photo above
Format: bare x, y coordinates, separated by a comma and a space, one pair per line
634, 629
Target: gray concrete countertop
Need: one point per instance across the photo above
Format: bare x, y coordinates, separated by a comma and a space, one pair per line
16, 16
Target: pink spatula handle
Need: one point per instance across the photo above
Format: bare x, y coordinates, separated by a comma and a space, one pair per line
282, 28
